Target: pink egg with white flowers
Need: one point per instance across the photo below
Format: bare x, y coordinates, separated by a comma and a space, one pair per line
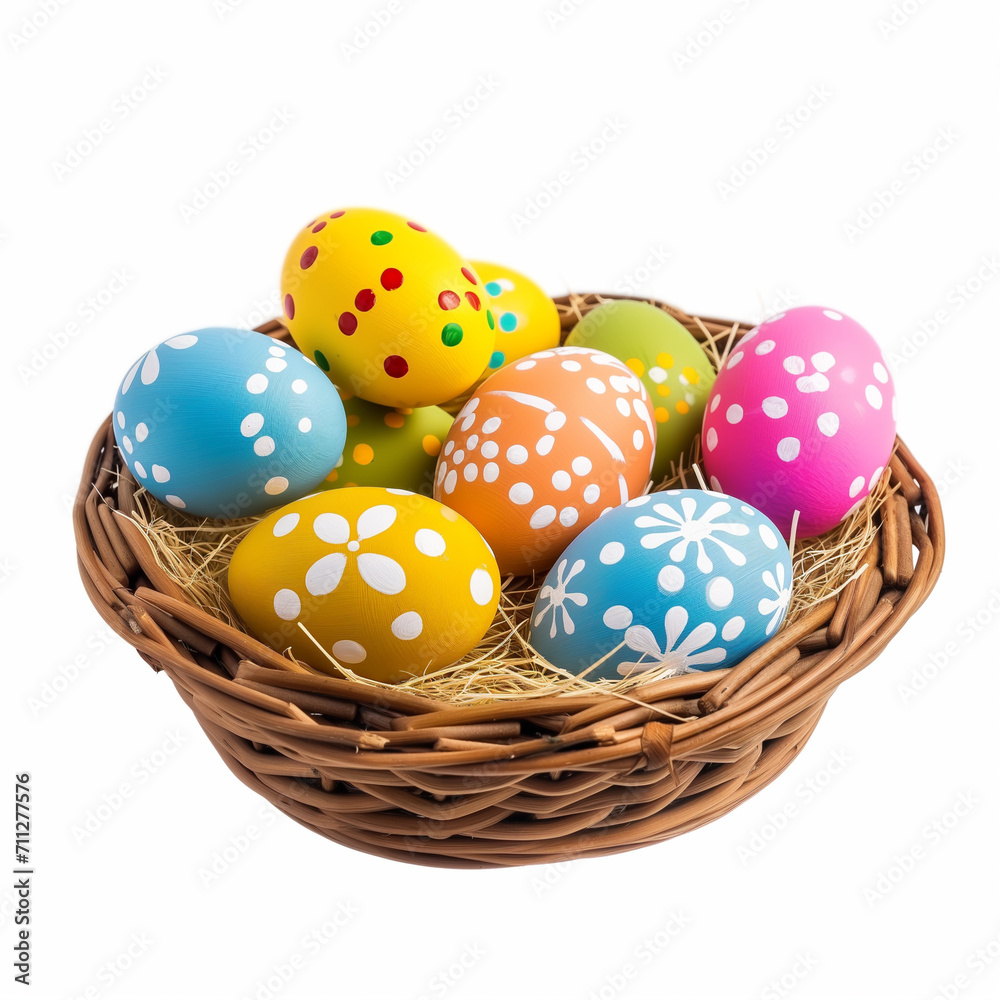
801, 417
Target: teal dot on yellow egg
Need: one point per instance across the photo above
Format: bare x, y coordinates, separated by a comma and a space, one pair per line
493, 288
496, 359
381, 237
508, 322
451, 334
321, 360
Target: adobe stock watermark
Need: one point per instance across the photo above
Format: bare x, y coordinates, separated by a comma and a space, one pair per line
223, 8
558, 14
980, 960
937, 661
448, 977
979, 279
887, 196
110, 973
93, 136
262, 309
205, 194
757, 155
32, 25
898, 16
66, 674
650, 948
931, 836
371, 28
786, 983
635, 280
146, 767
804, 794
555, 186
227, 855
87, 311
456, 115
312, 944
698, 42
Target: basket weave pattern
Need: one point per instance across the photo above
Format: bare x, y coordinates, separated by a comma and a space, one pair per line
526, 781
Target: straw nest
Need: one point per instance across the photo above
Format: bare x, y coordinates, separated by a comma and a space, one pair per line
195, 553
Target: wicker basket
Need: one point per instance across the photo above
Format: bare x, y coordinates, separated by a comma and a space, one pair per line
517, 782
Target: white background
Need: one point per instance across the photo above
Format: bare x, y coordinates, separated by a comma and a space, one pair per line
141, 226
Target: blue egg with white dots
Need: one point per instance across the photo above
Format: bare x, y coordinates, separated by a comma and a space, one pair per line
673, 581
228, 423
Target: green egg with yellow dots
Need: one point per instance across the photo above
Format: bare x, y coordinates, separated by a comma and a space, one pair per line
391, 448
675, 370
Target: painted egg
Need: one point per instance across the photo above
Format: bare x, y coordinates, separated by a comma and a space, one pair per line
388, 583
802, 417
227, 423
682, 579
542, 448
526, 320
390, 310
387, 447
675, 370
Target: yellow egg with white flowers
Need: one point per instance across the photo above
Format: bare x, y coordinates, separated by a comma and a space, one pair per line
387, 583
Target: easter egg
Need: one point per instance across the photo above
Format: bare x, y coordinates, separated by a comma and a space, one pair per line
388, 583
388, 309
675, 370
543, 447
388, 447
802, 417
227, 423
526, 319
680, 579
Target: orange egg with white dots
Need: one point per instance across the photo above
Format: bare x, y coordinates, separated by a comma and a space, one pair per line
543, 448
387, 309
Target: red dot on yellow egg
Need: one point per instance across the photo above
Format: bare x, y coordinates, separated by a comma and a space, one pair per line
363, 454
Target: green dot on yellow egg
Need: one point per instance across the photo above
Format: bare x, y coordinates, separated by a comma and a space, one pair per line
451, 334
381, 237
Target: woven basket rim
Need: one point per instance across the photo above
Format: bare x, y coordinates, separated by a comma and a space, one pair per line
397, 774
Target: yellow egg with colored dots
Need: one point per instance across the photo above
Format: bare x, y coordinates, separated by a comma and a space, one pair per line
388, 447
671, 363
382, 581
389, 310
525, 320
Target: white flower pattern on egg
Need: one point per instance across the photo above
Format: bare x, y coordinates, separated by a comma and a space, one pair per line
676, 654
688, 530
557, 597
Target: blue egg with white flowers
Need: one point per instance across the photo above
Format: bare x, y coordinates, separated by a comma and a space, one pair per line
228, 423
673, 581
